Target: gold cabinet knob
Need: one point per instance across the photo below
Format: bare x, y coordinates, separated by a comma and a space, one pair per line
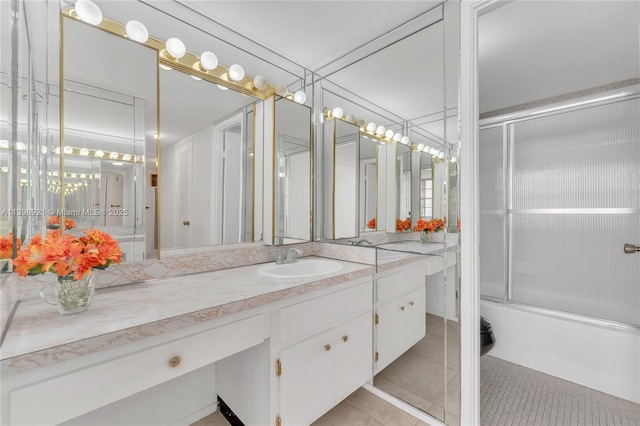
186, 223
327, 347
402, 308
345, 338
174, 361
411, 303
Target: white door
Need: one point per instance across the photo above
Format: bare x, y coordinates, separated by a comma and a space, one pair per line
111, 191
184, 161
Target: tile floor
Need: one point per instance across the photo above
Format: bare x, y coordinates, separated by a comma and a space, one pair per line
418, 376
511, 394
361, 408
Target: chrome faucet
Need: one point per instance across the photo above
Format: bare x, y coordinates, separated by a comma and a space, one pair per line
363, 242
292, 255
279, 256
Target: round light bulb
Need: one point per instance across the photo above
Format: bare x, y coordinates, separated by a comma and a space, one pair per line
221, 87
300, 97
4, 144
388, 134
83, 176
441, 155
84, 151
371, 127
337, 112
404, 140
73, 175
43, 149
426, 148
236, 72
136, 31
397, 137
113, 155
260, 82
89, 12
126, 157
55, 173
176, 48
350, 118
360, 122
208, 60
68, 150
420, 146
281, 90
99, 153
453, 159
21, 146
380, 130
432, 151
164, 67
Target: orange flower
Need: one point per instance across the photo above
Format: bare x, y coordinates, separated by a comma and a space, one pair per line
66, 254
407, 224
69, 223
433, 225
372, 224
6, 246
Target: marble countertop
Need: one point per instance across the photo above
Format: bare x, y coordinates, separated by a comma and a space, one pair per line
38, 335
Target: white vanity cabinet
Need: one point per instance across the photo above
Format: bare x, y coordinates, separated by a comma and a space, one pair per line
66, 390
400, 311
325, 351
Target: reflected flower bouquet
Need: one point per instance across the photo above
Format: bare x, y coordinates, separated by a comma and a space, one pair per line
372, 224
429, 226
6, 246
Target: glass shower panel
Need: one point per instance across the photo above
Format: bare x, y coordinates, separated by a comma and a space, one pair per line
575, 196
492, 213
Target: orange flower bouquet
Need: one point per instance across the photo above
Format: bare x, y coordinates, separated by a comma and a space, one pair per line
6, 246
72, 259
52, 221
427, 227
372, 224
403, 225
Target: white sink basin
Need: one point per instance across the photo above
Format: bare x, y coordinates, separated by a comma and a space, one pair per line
303, 268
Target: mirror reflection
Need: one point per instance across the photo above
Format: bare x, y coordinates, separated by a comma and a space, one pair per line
110, 116
206, 163
372, 184
346, 138
292, 173
403, 188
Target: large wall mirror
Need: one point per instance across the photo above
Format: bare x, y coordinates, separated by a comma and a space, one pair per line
346, 143
109, 104
292, 215
207, 163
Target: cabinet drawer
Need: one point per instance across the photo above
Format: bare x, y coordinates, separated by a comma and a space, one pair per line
68, 396
321, 312
397, 282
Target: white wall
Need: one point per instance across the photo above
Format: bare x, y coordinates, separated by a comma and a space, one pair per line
601, 358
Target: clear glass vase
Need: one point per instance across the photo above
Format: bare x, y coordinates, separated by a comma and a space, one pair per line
425, 237
70, 295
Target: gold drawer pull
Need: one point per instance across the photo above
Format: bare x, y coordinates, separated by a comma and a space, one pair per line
411, 303
402, 308
345, 338
174, 361
186, 223
327, 347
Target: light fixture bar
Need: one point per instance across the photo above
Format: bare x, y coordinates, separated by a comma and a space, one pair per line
100, 154
189, 63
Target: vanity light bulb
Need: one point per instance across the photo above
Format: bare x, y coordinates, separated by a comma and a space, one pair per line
388, 134
281, 90
164, 67
236, 72
441, 155
380, 130
432, 151
126, 157
21, 146
337, 112
5, 170
68, 150
371, 127
420, 147
260, 82
350, 118
84, 151
360, 122
453, 159
176, 48
99, 153
397, 137
43, 149
89, 12
208, 60
113, 155
55, 173
136, 31
221, 87
83, 176
300, 97
73, 175
404, 140
426, 148
4, 144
